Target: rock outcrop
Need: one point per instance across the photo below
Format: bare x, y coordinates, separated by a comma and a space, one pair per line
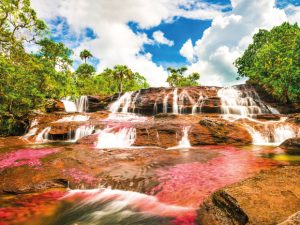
267, 198
291, 146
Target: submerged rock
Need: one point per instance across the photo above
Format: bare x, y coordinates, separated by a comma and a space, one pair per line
267, 198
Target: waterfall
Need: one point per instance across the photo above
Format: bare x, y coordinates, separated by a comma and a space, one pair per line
175, 101
198, 104
134, 100
115, 137
155, 108
165, 104
43, 135
79, 105
243, 104
181, 100
69, 105
82, 131
82, 104
123, 102
272, 134
184, 143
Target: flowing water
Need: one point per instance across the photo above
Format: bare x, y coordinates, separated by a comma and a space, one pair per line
124, 184
79, 105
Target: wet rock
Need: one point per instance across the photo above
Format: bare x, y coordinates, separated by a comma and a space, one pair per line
291, 146
267, 198
217, 131
292, 220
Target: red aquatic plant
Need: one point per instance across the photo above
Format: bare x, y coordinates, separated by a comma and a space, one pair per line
189, 184
30, 157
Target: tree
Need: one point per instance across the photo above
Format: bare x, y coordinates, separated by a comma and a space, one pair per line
85, 71
272, 61
85, 54
121, 73
177, 78
18, 23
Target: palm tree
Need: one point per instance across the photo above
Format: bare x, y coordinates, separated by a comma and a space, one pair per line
85, 54
120, 73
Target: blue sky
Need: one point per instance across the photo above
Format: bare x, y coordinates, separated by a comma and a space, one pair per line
148, 36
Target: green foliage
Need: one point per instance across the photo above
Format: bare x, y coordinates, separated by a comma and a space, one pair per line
273, 62
85, 54
177, 78
27, 80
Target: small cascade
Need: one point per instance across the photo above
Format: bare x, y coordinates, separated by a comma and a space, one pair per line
82, 104
115, 137
165, 104
81, 132
76, 118
43, 135
123, 102
198, 105
272, 133
175, 101
69, 105
155, 108
135, 100
32, 129
184, 143
79, 105
182, 100
241, 103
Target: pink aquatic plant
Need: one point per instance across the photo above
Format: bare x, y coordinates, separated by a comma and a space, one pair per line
79, 176
189, 184
30, 157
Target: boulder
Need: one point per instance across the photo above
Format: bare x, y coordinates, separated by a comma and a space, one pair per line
267, 198
291, 146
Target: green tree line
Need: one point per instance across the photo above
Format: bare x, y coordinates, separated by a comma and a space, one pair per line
272, 61
27, 80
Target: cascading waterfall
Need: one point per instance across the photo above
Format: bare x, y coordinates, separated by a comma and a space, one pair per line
272, 133
238, 104
123, 102
184, 143
69, 105
32, 129
198, 104
242, 104
182, 100
175, 101
165, 104
43, 135
82, 131
79, 105
135, 100
115, 137
82, 104
155, 108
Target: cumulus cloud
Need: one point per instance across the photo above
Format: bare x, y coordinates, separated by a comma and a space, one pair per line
159, 37
187, 50
229, 35
116, 42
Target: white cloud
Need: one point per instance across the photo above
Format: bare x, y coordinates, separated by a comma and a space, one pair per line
187, 50
159, 37
116, 43
293, 13
229, 35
